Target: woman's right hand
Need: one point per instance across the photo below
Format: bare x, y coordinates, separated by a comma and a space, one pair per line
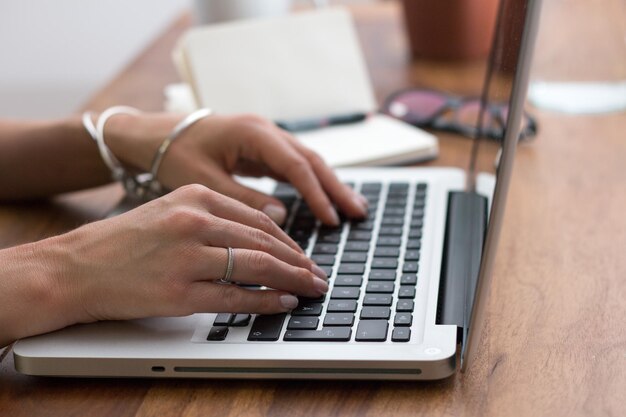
165, 257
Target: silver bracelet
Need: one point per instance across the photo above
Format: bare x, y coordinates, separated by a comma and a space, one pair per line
116, 167
143, 185
188, 121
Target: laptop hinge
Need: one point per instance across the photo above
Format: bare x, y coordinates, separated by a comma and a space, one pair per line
465, 235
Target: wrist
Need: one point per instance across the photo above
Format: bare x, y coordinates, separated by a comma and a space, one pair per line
33, 296
135, 139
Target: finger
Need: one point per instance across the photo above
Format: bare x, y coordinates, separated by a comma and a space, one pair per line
349, 202
283, 158
218, 298
255, 267
223, 233
255, 199
231, 209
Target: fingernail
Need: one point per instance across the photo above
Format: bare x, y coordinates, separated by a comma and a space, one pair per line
288, 301
319, 271
332, 213
320, 285
361, 202
276, 213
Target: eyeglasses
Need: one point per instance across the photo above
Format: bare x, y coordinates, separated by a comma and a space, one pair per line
437, 110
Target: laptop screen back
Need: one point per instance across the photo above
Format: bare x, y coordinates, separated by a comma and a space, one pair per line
503, 97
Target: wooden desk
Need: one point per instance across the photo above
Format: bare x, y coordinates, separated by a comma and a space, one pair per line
555, 342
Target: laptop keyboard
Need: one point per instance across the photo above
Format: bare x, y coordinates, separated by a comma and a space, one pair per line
372, 266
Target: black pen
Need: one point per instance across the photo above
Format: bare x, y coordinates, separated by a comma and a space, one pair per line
310, 124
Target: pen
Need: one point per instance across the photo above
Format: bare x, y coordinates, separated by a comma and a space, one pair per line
310, 124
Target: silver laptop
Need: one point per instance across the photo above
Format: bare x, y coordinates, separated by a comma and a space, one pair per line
408, 285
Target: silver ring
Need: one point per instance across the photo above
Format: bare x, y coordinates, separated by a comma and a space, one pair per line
229, 267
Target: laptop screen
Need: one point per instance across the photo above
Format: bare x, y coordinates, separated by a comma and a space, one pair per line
502, 118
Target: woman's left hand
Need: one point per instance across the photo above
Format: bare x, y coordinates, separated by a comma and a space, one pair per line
213, 149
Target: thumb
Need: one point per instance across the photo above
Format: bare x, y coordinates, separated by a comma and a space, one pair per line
255, 199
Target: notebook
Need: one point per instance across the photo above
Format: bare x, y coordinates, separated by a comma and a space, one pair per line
303, 66
408, 286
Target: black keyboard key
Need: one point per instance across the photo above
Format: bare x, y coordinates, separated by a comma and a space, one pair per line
267, 327
382, 275
410, 267
372, 331
406, 291
412, 255
417, 213
370, 313
345, 293
403, 319
331, 334
387, 252
408, 279
390, 231
399, 186
240, 320
331, 238
384, 263
365, 226
389, 241
394, 211
354, 269
348, 281
339, 319
217, 333
328, 270
415, 234
417, 223
307, 309
303, 323
405, 306
223, 319
370, 187
380, 287
354, 257
401, 334
360, 235
326, 248
309, 300
413, 244
323, 259
395, 202
357, 246
382, 300
392, 221
422, 186
419, 204
341, 306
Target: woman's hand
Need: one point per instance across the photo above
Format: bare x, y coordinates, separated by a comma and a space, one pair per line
214, 148
161, 259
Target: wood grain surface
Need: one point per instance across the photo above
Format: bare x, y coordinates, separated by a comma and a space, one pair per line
555, 339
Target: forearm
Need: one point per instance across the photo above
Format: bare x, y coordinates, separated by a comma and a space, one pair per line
31, 297
39, 159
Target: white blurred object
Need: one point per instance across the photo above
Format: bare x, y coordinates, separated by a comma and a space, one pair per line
215, 11
579, 97
564, 77
179, 98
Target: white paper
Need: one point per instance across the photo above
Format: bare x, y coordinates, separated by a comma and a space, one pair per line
379, 140
304, 65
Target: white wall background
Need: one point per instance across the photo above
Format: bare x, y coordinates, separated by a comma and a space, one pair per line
55, 53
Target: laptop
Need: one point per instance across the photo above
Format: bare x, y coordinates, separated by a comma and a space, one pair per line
408, 285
